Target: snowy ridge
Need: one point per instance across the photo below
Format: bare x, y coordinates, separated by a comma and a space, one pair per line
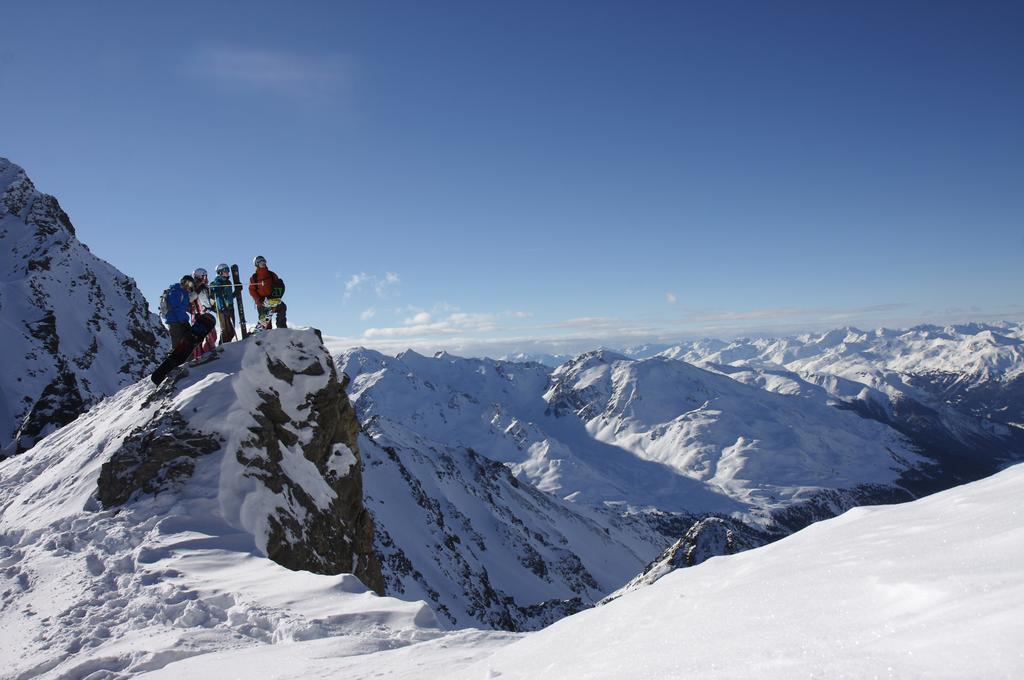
75, 328
139, 533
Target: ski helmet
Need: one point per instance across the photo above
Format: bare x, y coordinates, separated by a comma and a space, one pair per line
259, 261
199, 273
223, 268
188, 282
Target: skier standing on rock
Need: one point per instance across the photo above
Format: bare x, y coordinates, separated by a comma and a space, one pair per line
266, 289
202, 303
174, 306
223, 297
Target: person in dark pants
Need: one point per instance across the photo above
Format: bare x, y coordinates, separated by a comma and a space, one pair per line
224, 300
174, 308
266, 289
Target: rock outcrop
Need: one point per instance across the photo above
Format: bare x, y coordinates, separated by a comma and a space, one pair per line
266, 429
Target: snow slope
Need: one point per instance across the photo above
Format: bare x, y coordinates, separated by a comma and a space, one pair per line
928, 589
140, 532
761, 449
74, 328
932, 588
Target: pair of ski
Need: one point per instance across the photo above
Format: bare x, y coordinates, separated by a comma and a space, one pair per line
237, 280
204, 324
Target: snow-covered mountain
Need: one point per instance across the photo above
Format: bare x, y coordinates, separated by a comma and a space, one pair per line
552, 360
166, 522
709, 461
953, 391
75, 329
456, 527
604, 429
927, 589
975, 368
751, 451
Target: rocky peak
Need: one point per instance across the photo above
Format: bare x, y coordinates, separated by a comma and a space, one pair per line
290, 472
77, 328
707, 537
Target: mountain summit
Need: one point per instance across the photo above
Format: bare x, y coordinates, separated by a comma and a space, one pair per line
168, 513
75, 328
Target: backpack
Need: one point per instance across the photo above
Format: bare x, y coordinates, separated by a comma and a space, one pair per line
278, 290
164, 307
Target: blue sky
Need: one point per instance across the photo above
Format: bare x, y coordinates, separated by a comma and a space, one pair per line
558, 175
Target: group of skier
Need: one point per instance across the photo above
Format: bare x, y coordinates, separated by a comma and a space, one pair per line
194, 306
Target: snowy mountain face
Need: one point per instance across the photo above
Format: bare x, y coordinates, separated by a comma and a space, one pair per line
75, 328
956, 392
455, 526
166, 522
648, 452
750, 451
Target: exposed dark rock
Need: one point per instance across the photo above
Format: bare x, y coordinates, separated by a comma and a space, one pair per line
45, 331
59, 404
828, 503
340, 538
153, 458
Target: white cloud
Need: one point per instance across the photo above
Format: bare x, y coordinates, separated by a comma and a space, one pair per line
418, 319
383, 286
426, 324
355, 282
268, 70
671, 298
368, 314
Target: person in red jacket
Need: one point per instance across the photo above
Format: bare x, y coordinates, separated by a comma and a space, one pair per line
266, 289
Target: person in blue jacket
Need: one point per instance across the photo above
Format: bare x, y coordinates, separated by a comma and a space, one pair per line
175, 308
